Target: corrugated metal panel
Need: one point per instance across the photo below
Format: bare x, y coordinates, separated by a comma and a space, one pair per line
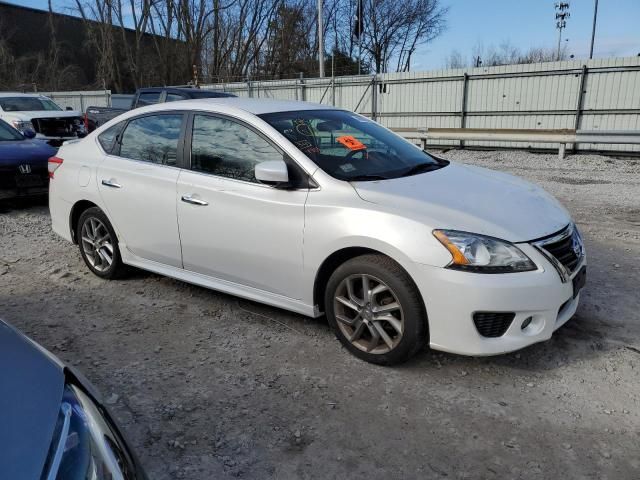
543, 95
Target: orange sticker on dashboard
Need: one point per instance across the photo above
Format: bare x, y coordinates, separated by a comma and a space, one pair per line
351, 143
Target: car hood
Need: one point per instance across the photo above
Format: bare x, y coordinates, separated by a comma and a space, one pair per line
28, 115
31, 387
25, 151
471, 199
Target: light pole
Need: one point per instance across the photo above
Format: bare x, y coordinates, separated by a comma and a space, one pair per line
562, 13
593, 31
320, 39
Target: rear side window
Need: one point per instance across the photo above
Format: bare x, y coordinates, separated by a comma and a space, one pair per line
148, 98
108, 137
153, 138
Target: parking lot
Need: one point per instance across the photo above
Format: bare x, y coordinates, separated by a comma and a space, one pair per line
206, 385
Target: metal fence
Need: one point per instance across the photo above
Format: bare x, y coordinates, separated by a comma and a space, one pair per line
80, 100
600, 94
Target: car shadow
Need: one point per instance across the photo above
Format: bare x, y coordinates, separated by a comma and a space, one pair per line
23, 203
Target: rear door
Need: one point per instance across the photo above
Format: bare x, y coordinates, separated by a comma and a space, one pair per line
137, 183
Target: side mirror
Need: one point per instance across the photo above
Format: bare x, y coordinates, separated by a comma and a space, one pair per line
28, 133
272, 172
69, 109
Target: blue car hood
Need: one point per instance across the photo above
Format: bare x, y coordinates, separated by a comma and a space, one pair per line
19, 152
31, 387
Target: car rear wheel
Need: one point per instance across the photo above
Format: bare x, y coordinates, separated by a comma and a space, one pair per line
99, 245
375, 310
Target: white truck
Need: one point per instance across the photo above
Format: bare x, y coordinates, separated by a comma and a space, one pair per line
49, 121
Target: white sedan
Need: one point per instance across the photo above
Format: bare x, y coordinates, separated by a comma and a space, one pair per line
319, 210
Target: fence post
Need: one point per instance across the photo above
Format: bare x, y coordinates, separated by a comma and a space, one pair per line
302, 92
578, 115
463, 104
374, 98
249, 87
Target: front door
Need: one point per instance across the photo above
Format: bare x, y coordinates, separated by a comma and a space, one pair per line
231, 226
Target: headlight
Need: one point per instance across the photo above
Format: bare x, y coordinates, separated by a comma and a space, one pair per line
481, 254
21, 126
85, 445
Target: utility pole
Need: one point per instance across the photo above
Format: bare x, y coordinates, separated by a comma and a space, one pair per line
562, 13
357, 31
593, 31
320, 39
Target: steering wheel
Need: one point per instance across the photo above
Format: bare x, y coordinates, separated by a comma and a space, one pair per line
352, 153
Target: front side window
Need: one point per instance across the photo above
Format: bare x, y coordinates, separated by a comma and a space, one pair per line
153, 138
228, 149
350, 147
28, 104
107, 138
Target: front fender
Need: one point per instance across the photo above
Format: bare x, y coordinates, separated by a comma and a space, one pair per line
329, 229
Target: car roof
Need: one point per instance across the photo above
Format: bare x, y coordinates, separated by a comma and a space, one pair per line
256, 106
191, 91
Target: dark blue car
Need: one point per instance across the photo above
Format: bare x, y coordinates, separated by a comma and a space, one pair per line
23, 163
53, 424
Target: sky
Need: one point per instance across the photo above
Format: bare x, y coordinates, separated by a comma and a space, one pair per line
531, 23
522, 23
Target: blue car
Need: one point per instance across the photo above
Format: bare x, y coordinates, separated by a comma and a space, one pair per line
53, 424
23, 163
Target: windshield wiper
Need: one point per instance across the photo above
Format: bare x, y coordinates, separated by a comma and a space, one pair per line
422, 168
365, 177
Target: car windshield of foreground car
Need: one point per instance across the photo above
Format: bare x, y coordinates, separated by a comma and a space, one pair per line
350, 147
8, 133
27, 104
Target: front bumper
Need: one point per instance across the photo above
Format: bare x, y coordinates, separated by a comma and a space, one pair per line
452, 297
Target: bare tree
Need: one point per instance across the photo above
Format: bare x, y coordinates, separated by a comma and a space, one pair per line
455, 60
396, 26
503, 54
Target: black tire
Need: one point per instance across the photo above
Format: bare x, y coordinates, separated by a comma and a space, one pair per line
116, 269
403, 290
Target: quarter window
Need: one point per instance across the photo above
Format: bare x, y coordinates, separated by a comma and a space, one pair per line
108, 137
152, 138
228, 149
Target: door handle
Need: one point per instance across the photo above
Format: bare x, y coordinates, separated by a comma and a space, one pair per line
194, 201
111, 183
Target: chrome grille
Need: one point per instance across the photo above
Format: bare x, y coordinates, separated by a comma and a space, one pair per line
564, 249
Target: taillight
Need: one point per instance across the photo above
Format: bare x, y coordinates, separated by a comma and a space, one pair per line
54, 164
86, 122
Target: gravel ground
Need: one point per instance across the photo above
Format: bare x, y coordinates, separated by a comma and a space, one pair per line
209, 386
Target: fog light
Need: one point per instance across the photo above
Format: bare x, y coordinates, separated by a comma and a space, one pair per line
526, 323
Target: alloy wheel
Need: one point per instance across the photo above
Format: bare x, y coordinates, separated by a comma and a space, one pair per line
368, 313
97, 244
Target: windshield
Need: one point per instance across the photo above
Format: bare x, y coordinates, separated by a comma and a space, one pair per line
350, 147
27, 104
8, 133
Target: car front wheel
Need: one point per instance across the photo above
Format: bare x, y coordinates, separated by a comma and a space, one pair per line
99, 245
375, 310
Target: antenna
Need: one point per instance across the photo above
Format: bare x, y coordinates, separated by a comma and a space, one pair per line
562, 13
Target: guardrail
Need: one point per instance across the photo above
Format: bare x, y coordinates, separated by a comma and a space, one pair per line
562, 137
